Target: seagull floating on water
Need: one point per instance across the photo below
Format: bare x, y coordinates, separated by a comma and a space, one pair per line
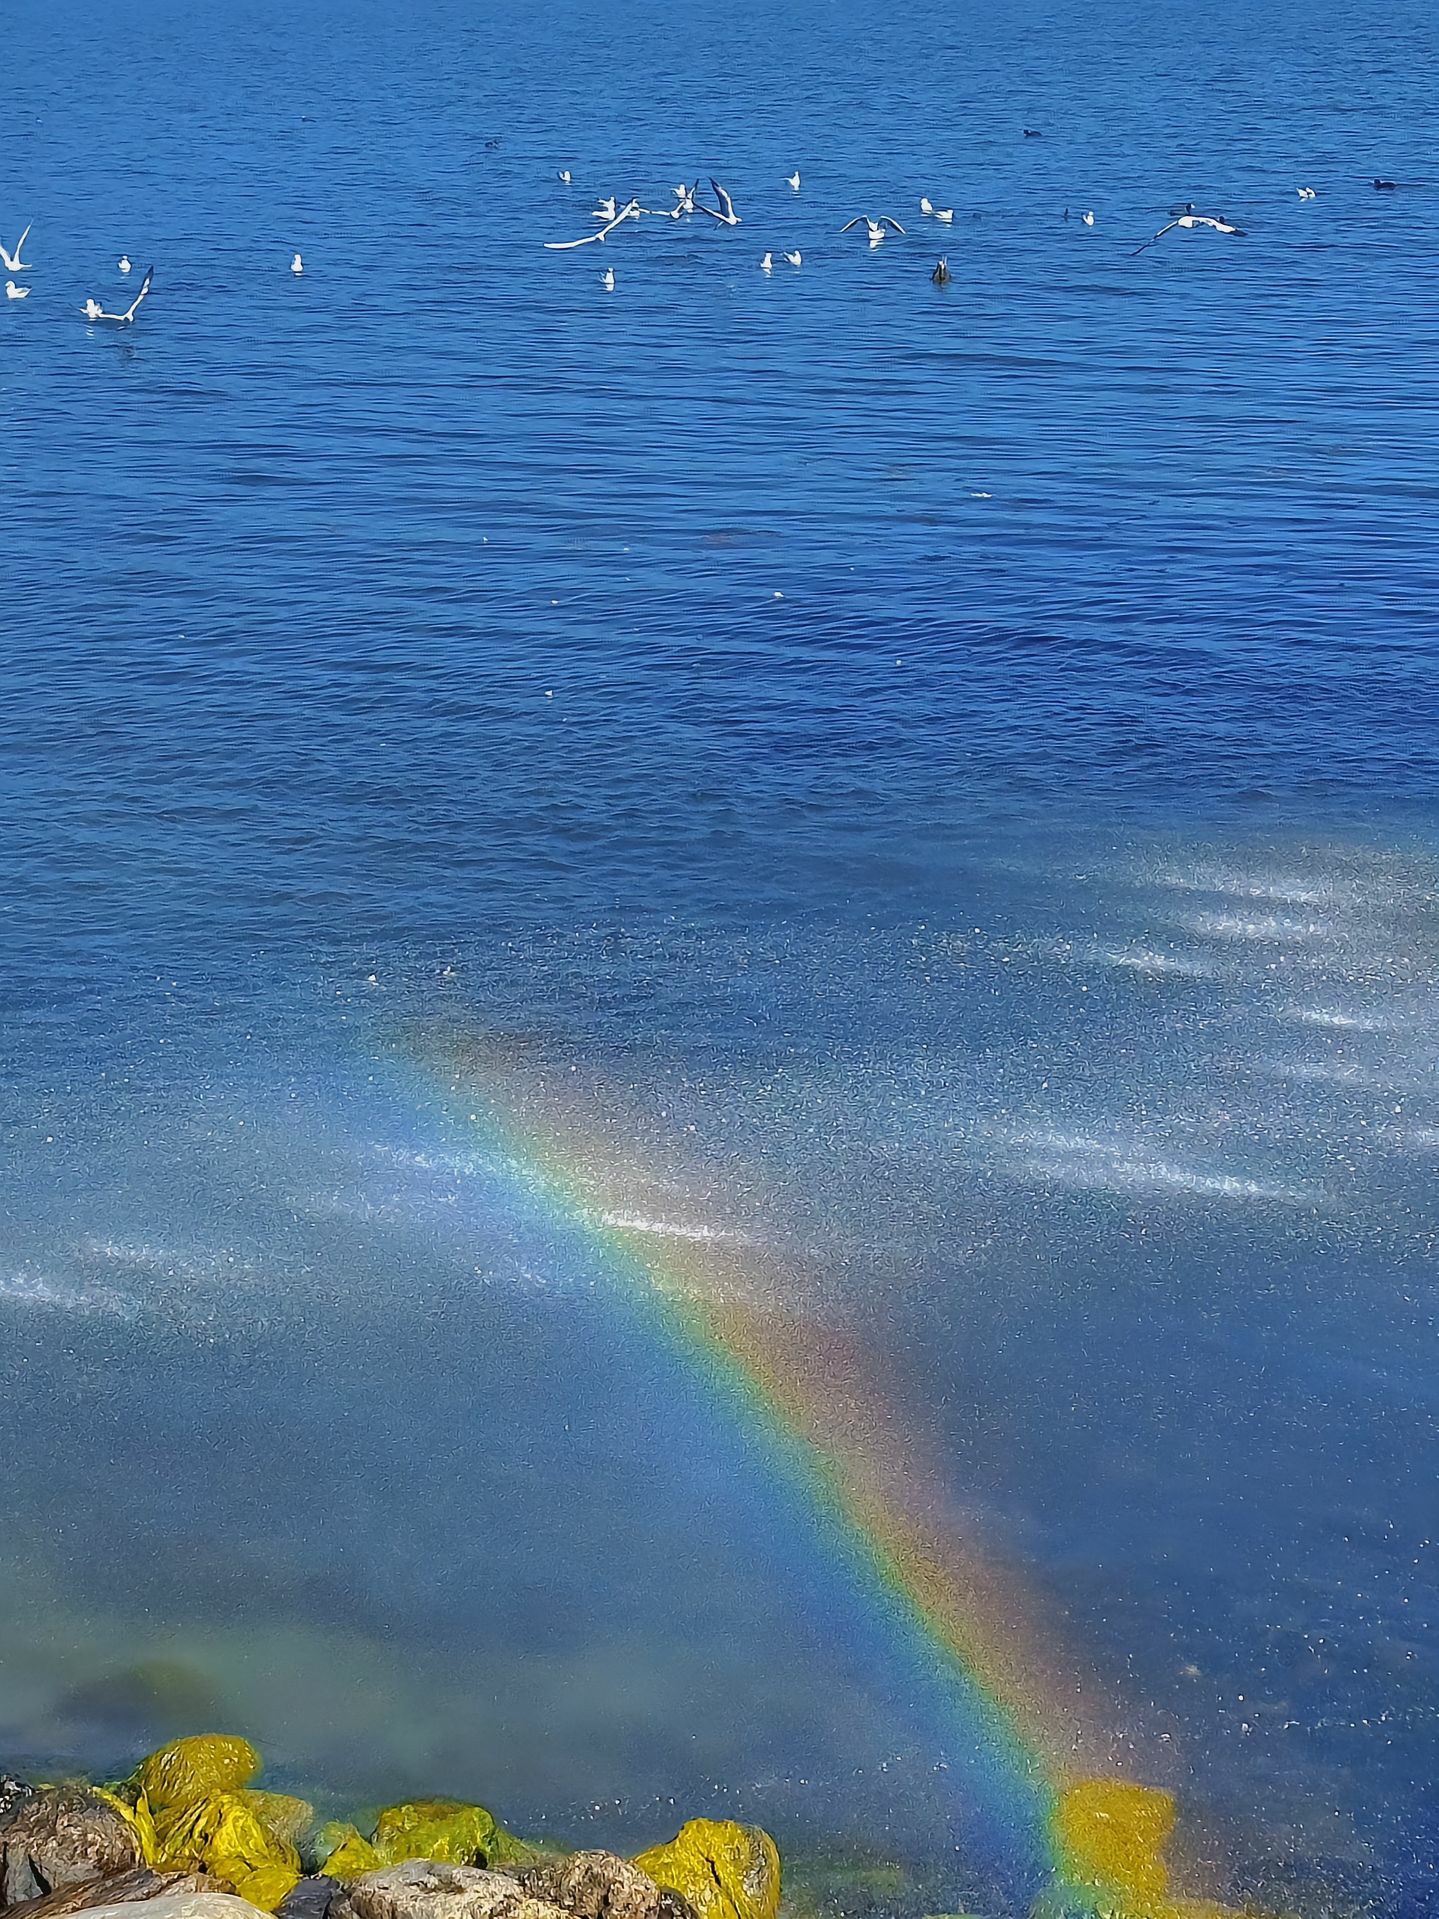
874, 228
945, 215
941, 275
794, 258
123, 263
297, 265
93, 310
607, 279
726, 214
794, 179
12, 292
1193, 220
605, 210
564, 176
1307, 193
12, 262
766, 265
1088, 219
630, 211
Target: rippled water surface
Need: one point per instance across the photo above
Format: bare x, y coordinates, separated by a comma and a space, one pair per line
916, 805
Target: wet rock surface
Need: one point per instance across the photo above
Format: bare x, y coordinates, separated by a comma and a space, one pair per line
596, 1885
425, 1889
62, 1835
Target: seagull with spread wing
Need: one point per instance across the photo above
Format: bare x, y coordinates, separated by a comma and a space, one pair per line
12, 262
725, 212
93, 310
630, 211
1187, 220
874, 228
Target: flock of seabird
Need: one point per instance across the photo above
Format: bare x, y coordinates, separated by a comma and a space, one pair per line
689, 203
611, 214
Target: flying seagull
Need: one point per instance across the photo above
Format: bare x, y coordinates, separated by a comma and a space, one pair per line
12, 292
941, 275
124, 263
93, 310
1191, 220
630, 211
726, 214
874, 228
12, 262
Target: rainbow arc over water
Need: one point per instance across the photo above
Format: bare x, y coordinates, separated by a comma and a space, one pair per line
1041, 1743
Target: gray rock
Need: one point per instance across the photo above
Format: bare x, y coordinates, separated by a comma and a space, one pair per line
125, 1888
62, 1835
425, 1889
310, 1899
182, 1905
596, 1885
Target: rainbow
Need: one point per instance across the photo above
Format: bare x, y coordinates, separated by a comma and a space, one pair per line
1028, 1730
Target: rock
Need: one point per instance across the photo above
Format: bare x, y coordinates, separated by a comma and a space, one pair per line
196, 1768
308, 1899
425, 1889
13, 1792
596, 1885
443, 1830
724, 1870
224, 1836
181, 1905
345, 1853
63, 1834
123, 1888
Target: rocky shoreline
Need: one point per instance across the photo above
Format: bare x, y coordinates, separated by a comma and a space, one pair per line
189, 1836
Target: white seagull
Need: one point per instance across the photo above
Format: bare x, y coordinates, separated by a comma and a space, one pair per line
766, 265
12, 292
1088, 219
726, 214
794, 179
297, 265
564, 176
945, 215
124, 263
926, 205
1192, 220
794, 258
607, 279
1307, 193
93, 310
606, 209
12, 262
874, 228
630, 211
685, 199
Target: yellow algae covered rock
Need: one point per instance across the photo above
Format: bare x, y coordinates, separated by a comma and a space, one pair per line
280, 1813
345, 1853
223, 1836
446, 1830
195, 1768
134, 1808
724, 1870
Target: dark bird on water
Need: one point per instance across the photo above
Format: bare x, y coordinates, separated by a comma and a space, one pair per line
941, 275
1386, 186
1033, 133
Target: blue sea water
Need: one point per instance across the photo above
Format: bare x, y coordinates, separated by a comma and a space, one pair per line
951, 770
